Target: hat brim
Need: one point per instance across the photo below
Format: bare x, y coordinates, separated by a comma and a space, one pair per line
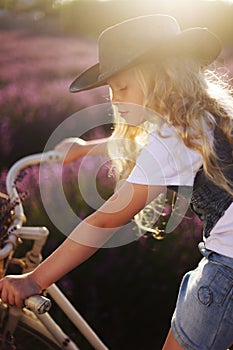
87, 80
199, 43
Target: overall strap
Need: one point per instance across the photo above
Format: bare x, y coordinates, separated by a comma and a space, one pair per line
210, 201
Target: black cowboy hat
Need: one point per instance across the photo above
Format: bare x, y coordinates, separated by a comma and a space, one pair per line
127, 43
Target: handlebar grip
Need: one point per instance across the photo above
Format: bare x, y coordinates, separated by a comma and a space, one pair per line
38, 304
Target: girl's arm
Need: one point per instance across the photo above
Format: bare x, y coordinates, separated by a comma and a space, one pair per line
83, 242
74, 147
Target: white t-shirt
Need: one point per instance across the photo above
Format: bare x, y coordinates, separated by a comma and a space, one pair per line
167, 161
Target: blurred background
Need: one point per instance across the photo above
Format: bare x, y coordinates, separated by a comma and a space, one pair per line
128, 293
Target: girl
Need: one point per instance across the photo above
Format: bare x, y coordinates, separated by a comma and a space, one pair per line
174, 128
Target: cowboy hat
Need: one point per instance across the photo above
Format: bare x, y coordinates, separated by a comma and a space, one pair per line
125, 44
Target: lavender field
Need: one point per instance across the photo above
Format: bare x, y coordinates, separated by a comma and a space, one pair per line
126, 293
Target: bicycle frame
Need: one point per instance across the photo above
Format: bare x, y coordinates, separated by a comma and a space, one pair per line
39, 306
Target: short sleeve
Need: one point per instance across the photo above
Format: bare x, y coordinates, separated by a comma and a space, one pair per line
166, 161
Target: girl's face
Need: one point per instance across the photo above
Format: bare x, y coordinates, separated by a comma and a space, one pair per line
127, 96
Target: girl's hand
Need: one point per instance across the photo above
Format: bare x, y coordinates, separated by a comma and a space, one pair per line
15, 289
71, 148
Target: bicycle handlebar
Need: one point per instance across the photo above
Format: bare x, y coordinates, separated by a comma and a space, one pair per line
51, 156
36, 303
33, 159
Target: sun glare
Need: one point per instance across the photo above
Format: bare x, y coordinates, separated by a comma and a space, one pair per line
229, 1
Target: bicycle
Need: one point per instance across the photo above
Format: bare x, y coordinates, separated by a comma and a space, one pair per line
33, 322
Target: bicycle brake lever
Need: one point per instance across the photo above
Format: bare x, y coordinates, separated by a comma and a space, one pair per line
38, 304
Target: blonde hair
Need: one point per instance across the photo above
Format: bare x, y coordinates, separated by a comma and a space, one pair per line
191, 99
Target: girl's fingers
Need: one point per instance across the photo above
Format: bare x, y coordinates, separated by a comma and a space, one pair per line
4, 295
7, 291
10, 299
18, 301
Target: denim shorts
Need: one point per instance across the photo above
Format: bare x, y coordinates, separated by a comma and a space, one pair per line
203, 318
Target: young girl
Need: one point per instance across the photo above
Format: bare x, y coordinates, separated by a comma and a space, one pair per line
173, 129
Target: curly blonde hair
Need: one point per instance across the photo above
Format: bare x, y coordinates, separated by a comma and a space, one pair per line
191, 99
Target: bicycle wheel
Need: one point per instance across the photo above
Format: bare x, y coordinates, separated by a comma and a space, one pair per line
29, 334
27, 338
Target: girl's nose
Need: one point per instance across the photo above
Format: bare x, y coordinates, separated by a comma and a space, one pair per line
116, 97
